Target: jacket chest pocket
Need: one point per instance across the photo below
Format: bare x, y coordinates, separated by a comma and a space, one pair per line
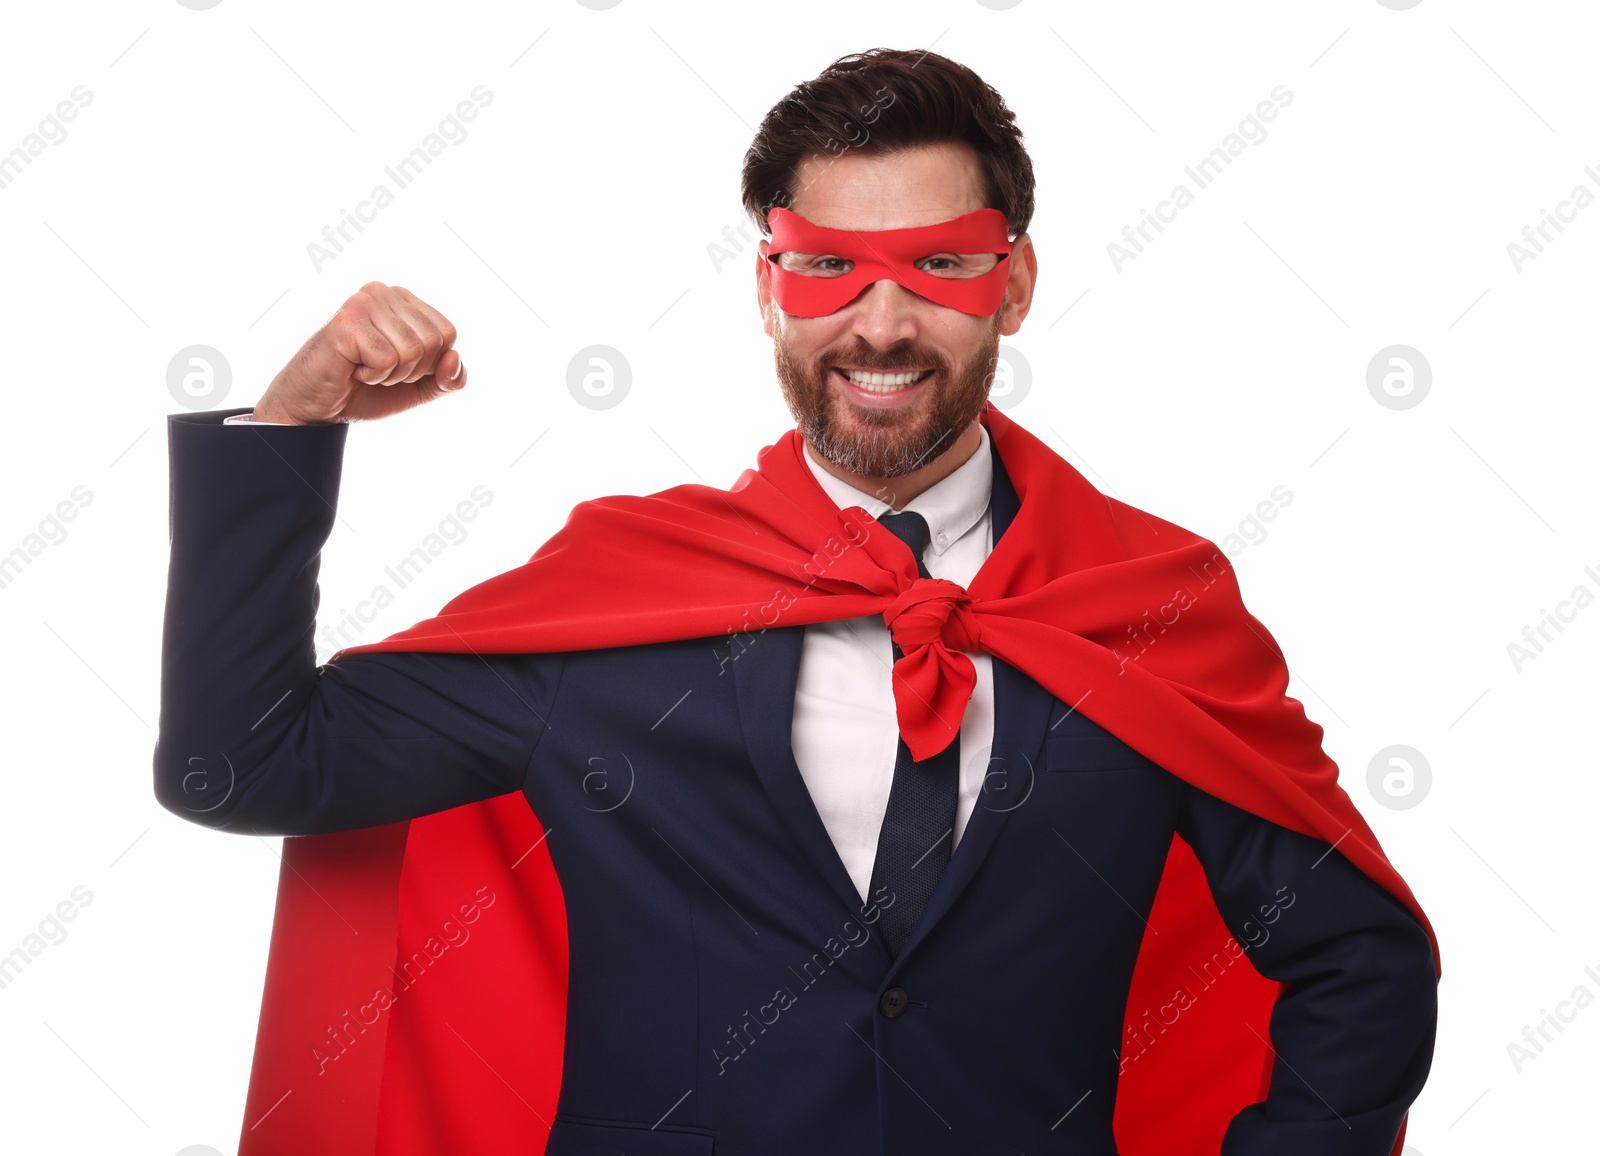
577, 1136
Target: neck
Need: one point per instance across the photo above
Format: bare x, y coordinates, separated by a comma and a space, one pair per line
898, 491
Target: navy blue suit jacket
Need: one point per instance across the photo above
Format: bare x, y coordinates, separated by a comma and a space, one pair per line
727, 987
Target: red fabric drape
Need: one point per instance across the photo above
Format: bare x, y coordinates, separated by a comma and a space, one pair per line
391, 1029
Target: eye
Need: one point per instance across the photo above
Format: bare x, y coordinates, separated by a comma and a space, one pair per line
814, 265
958, 265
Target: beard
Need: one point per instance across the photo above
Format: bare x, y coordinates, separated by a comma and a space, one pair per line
886, 443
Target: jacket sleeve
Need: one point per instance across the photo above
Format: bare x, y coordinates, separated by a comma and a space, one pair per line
1354, 1031
254, 737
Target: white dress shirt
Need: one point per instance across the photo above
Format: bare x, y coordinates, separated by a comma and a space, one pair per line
845, 733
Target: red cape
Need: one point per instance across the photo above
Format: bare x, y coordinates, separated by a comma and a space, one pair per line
378, 1035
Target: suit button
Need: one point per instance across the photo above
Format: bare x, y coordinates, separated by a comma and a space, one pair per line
894, 1002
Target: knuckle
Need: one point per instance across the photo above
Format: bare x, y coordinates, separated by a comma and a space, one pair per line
354, 313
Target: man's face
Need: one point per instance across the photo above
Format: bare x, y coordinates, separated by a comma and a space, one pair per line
878, 433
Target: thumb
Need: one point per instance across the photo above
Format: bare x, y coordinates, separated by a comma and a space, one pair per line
436, 384
447, 376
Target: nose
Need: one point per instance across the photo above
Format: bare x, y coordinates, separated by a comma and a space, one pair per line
886, 313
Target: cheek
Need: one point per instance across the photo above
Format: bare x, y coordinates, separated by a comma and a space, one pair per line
807, 338
963, 339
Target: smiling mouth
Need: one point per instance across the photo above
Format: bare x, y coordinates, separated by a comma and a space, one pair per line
874, 381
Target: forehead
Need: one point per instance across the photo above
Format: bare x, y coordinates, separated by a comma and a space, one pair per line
899, 190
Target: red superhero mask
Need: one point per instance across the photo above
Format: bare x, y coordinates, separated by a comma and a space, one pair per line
890, 254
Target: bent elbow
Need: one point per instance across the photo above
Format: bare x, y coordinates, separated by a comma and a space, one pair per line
195, 788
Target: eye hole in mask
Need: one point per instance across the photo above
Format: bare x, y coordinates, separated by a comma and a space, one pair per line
961, 263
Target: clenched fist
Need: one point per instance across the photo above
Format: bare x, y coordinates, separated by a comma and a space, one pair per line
384, 352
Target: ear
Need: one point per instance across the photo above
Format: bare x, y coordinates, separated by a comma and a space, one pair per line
764, 287
1020, 281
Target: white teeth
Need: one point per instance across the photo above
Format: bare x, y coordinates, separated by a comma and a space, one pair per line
881, 382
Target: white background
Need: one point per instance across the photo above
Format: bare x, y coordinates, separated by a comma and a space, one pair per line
1229, 358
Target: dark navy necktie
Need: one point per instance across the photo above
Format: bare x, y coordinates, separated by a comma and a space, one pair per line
918, 830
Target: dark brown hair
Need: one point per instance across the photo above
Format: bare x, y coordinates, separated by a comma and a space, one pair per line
882, 101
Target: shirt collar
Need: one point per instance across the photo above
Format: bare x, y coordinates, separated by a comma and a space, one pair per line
951, 506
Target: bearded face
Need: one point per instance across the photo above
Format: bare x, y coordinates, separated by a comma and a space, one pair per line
886, 426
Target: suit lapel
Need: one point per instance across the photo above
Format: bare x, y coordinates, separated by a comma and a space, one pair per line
765, 675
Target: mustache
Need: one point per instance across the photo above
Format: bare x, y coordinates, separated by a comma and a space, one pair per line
879, 363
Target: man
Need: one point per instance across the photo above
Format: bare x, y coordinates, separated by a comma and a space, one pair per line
802, 916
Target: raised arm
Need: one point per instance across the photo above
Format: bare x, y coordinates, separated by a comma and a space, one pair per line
254, 736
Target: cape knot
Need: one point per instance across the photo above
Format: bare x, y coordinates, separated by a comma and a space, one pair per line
932, 610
